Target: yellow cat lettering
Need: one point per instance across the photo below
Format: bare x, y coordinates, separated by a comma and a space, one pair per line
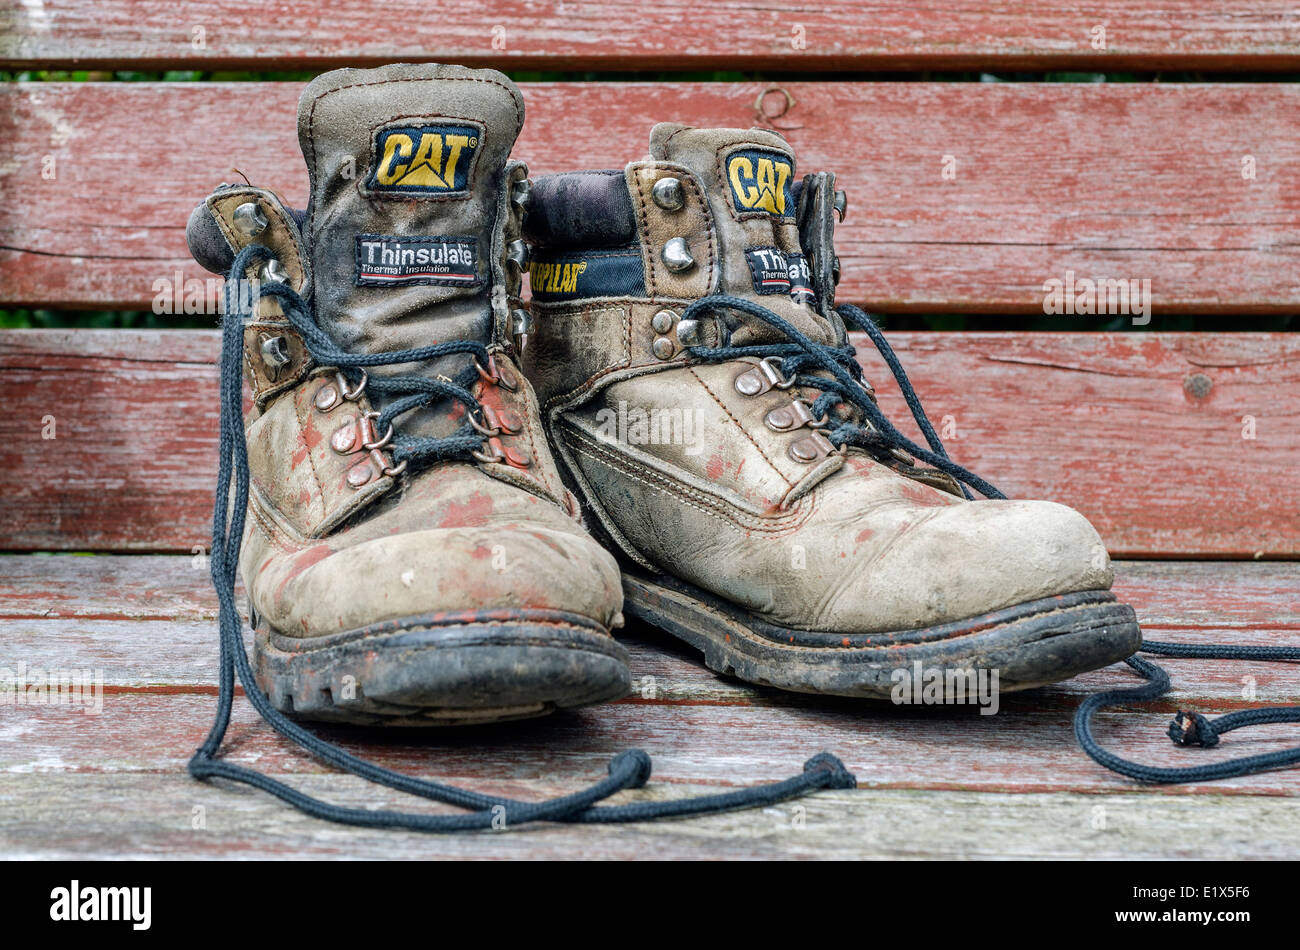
425, 159
759, 181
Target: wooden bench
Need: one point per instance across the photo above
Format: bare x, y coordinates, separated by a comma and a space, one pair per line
1182, 447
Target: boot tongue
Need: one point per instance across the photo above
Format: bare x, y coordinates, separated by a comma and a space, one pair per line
749, 177
408, 168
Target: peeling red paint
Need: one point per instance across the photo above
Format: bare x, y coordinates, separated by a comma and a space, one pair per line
473, 512
303, 560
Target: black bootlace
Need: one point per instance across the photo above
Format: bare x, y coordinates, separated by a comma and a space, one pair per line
629, 769
846, 384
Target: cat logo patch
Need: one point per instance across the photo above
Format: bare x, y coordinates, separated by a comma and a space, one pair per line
760, 181
424, 160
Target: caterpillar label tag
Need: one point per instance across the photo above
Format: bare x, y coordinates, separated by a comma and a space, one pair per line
776, 272
760, 181
609, 272
386, 260
423, 160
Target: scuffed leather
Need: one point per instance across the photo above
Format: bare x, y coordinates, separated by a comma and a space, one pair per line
845, 543
321, 555
338, 117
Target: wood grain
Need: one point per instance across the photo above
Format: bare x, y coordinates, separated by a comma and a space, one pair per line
1108, 423
112, 785
108, 613
626, 35
1100, 180
722, 743
133, 816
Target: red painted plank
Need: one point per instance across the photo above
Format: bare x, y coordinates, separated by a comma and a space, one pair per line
1105, 422
671, 34
885, 746
106, 612
1101, 181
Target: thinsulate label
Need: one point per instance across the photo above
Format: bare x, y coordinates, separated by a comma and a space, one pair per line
386, 260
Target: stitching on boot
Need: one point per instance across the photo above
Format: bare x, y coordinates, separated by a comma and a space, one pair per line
268, 527
797, 514
320, 487
311, 115
624, 363
695, 188
643, 226
743, 431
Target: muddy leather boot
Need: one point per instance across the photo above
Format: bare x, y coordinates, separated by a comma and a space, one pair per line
411, 554
698, 387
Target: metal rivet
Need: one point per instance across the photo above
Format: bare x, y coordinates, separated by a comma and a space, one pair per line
361, 473
804, 451
327, 397
749, 383
663, 348
509, 421
273, 272
249, 219
811, 448
521, 193
517, 457
663, 321
275, 354
781, 419
669, 194
345, 437
517, 255
688, 333
521, 327
677, 255
507, 379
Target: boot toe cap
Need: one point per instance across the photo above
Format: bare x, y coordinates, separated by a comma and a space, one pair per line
323, 590
970, 559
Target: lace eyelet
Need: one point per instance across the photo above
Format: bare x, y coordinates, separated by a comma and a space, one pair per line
351, 395
774, 375
498, 454
489, 427
370, 429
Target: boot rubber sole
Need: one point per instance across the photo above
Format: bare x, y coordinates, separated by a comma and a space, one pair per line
443, 669
1029, 644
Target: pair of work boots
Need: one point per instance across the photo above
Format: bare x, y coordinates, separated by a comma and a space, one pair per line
453, 498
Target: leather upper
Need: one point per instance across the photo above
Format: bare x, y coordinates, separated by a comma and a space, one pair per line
696, 472
404, 244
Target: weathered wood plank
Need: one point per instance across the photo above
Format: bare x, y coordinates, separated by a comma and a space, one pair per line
1109, 423
125, 817
1134, 198
108, 613
158, 661
718, 743
626, 35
